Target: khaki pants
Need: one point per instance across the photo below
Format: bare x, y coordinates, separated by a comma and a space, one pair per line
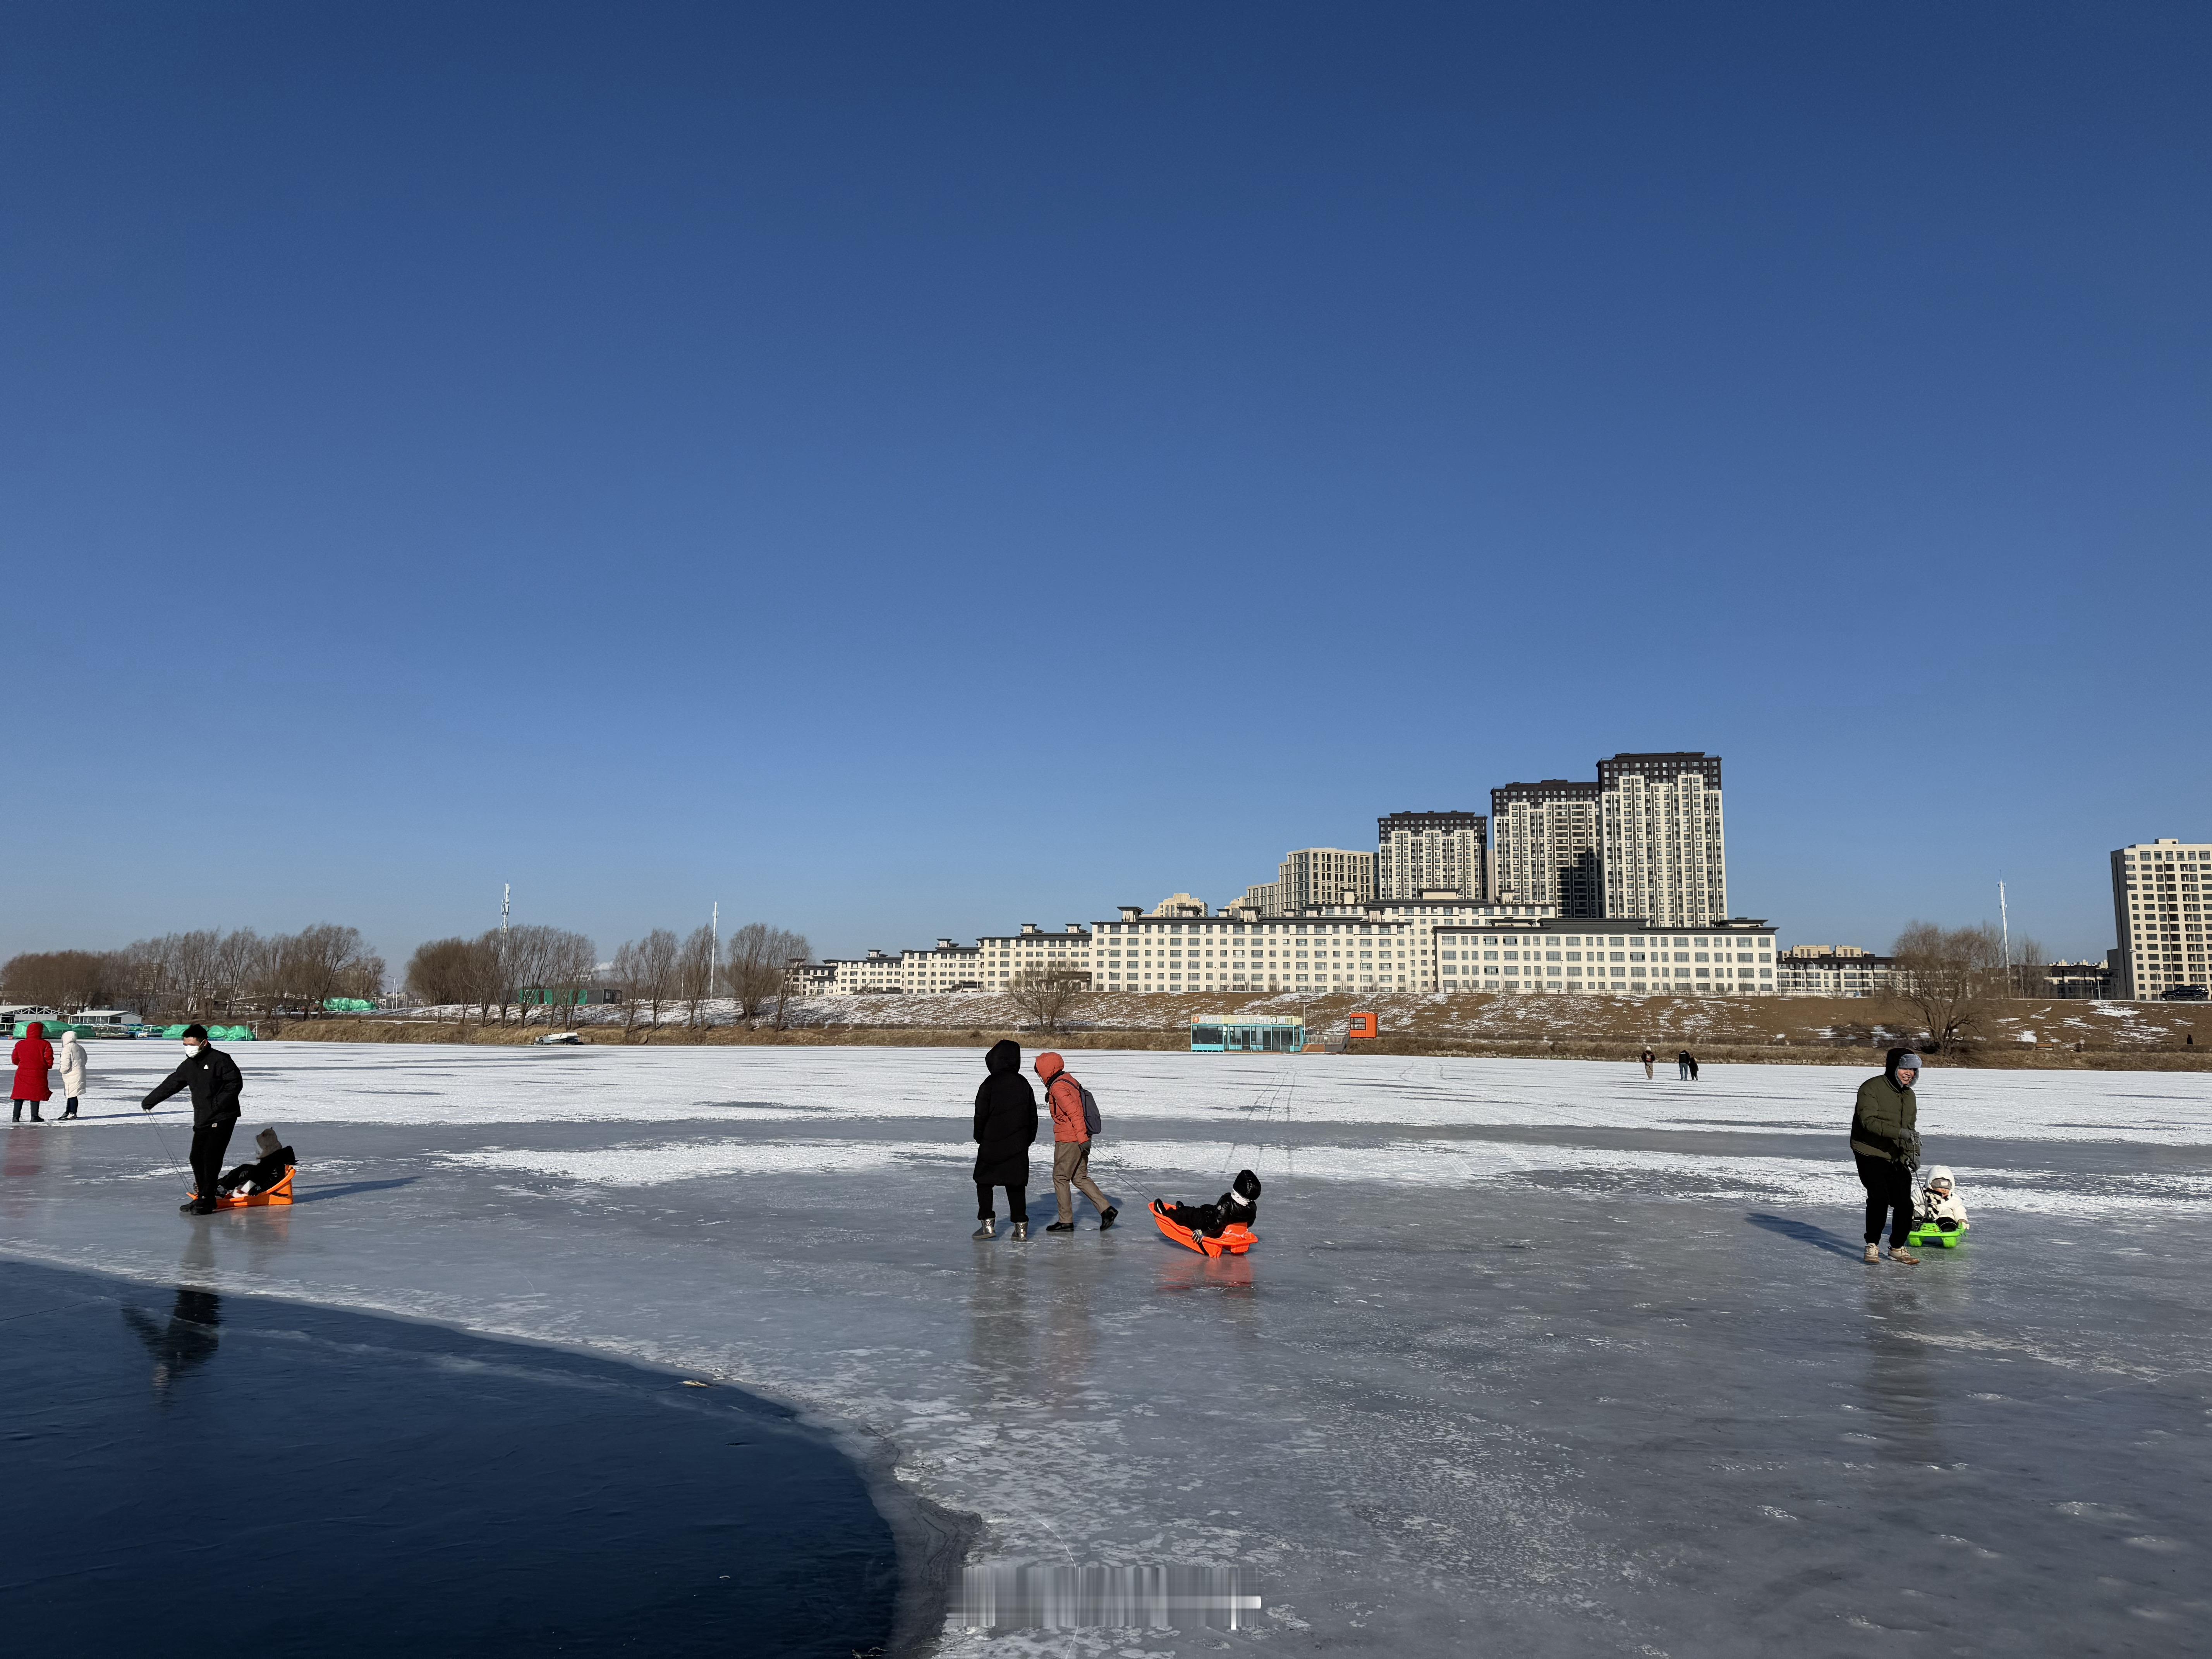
1070, 1167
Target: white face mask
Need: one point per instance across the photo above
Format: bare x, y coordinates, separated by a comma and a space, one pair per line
192, 1051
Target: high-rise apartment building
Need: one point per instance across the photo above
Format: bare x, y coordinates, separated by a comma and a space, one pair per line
1323, 875
2161, 890
1661, 841
1548, 847
1418, 854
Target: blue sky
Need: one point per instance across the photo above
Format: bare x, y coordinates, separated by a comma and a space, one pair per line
908, 470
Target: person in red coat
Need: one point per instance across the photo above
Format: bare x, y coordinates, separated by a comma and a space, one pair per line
33, 1057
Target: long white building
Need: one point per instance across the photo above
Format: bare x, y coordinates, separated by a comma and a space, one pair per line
1425, 945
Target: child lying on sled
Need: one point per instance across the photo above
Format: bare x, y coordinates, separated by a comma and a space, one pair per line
1241, 1203
1938, 1205
262, 1173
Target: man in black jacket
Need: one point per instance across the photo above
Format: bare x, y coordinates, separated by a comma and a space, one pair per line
215, 1081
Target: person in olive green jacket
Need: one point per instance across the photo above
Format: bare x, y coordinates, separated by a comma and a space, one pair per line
1886, 1142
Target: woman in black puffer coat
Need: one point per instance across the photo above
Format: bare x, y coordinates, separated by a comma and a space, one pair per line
1005, 1128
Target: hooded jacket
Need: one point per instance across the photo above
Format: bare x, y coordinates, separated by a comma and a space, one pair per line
215, 1082
33, 1057
1941, 1207
70, 1060
1886, 1118
1064, 1095
1006, 1119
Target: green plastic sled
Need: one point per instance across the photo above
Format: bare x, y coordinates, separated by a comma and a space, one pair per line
1929, 1233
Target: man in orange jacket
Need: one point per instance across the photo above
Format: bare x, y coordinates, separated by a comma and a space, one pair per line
1070, 1146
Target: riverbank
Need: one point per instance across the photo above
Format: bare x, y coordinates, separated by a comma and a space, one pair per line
2036, 1035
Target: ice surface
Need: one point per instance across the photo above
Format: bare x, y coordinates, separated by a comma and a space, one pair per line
1534, 1357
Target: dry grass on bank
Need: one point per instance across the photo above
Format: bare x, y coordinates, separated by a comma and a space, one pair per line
1805, 1030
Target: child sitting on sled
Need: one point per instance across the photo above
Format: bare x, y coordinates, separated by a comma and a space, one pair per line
263, 1173
1240, 1203
1939, 1206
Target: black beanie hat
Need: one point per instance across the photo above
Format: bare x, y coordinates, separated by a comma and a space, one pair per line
199, 1031
1247, 1185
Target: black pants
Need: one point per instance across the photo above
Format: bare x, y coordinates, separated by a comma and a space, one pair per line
209, 1144
1889, 1187
1017, 1202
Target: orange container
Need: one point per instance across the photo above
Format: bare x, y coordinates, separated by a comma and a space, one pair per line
1365, 1025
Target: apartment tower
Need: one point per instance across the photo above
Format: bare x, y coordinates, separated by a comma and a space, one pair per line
1418, 854
1548, 847
1660, 842
2160, 892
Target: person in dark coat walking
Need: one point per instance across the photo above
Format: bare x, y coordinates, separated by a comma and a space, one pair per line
1682, 1066
1005, 1128
1886, 1146
216, 1083
32, 1057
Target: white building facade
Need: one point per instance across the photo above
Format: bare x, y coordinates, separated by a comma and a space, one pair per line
2159, 889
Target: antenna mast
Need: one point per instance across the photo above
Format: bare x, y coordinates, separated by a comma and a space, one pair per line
2005, 927
714, 955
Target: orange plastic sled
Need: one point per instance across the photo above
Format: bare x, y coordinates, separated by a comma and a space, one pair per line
280, 1194
1236, 1238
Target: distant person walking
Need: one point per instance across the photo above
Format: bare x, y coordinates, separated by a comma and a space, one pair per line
1682, 1066
1649, 1059
32, 1057
1070, 1146
1005, 1128
69, 1059
216, 1083
1885, 1146
1692, 1059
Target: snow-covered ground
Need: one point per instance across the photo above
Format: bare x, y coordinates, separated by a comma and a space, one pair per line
1533, 1356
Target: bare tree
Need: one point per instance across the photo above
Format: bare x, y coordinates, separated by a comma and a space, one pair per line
754, 963
326, 961
1948, 978
442, 972
1046, 996
571, 959
68, 981
647, 968
694, 972
2029, 974
625, 968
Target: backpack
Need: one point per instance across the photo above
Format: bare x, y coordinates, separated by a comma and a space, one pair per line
1091, 1124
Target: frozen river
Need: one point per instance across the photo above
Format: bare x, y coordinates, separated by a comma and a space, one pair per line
1535, 1357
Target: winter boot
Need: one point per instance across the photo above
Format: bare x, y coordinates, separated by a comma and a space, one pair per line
1873, 1253
1107, 1220
988, 1229
70, 1112
1022, 1230
1900, 1253
1061, 1227
19, 1112
196, 1206
35, 1118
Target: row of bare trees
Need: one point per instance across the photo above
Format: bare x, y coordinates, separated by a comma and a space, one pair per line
204, 974
651, 977
1950, 980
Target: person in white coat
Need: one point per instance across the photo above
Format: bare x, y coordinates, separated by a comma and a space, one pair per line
69, 1060
1939, 1205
